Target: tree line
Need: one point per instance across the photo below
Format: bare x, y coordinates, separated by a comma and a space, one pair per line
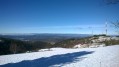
12, 46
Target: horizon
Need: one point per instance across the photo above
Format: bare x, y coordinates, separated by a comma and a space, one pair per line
54, 34
57, 16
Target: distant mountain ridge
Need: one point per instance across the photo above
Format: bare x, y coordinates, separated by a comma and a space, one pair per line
46, 37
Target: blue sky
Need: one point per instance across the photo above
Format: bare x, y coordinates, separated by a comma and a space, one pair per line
56, 16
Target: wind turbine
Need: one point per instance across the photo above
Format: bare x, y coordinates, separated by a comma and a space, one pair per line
91, 29
106, 24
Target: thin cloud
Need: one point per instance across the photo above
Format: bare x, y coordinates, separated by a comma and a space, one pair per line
70, 27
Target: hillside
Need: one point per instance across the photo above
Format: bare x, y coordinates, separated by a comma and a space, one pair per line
62, 57
86, 42
10, 46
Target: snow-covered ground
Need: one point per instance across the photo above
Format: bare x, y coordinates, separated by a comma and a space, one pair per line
60, 57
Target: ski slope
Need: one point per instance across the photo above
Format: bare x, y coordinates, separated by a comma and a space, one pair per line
61, 57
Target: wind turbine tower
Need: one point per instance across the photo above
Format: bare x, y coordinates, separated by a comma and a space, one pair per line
91, 29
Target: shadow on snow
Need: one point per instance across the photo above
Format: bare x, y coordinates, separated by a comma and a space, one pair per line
50, 61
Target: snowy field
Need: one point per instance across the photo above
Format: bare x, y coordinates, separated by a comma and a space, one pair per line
60, 57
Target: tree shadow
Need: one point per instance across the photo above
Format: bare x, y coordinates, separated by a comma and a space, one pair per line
50, 61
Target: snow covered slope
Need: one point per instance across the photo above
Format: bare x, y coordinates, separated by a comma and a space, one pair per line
60, 57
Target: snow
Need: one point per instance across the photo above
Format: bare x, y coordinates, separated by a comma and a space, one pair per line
115, 38
77, 46
103, 38
61, 57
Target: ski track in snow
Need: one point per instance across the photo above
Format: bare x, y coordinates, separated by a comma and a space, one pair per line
61, 57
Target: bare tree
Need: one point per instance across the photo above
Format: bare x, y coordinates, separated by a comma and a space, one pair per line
112, 2
109, 2
116, 25
13, 48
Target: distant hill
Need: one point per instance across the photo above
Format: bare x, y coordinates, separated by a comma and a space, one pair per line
50, 38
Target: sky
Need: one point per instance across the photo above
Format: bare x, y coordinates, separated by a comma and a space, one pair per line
57, 16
